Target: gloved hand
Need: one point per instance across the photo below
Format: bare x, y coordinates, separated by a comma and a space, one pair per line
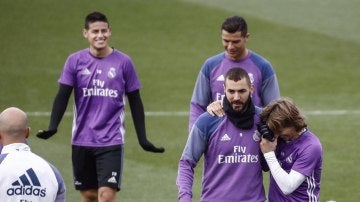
148, 146
45, 134
265, 131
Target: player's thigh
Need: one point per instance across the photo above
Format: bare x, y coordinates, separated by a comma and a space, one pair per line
109, 163
84, 168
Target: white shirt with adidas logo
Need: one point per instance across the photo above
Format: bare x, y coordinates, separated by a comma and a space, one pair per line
26, 176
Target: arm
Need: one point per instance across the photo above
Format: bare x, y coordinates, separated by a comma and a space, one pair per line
137, 112
287, 182
270, 90
61, 192
270, 87
194, 149
58, 110
201, 97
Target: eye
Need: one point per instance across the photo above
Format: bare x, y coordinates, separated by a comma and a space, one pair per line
94, 31
231, 91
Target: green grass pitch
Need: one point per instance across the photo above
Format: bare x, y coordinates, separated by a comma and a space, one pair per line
314, 47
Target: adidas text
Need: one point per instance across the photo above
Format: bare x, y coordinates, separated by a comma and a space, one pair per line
27, 190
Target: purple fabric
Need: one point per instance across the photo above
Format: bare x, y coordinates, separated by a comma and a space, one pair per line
99, 85
209, 84
303, 155
232, 168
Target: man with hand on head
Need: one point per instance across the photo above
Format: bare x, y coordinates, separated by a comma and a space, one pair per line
294, 156
230, 145
25, 176
101, 77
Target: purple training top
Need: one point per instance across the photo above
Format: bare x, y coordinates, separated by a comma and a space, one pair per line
99, 85
303, 155
209, 84
232, 165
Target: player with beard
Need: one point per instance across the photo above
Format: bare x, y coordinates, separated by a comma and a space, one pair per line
230, 146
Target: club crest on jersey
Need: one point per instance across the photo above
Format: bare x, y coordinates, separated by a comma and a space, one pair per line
256, 136
111, 73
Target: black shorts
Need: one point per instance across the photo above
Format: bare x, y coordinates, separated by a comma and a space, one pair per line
95, 167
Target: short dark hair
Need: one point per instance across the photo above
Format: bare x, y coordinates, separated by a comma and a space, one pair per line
234, 24
95, 17
236, 74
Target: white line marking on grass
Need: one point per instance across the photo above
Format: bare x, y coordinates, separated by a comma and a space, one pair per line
332, 112
185, 113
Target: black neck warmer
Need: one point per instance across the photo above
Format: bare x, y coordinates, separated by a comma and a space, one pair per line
243, 119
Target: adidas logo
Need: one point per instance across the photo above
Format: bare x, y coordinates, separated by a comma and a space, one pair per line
225, 138
220, 78
112, 179
25, 181
27, 184
85, 72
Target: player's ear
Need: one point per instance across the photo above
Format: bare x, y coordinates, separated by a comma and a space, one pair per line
247, 36
85, 33
110, 31
27, 132
251, 88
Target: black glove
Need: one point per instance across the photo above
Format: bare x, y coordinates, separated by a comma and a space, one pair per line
265, 131
148, 146
45, 134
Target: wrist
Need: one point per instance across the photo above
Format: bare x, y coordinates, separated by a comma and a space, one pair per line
270, 155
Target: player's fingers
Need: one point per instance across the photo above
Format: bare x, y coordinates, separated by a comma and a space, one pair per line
209, 109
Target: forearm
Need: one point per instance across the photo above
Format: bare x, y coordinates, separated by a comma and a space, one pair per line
59, 106
137, 112
287, 182
138, 115
184, 180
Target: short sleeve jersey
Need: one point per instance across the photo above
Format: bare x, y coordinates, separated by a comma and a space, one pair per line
303, 155
232, 167
28, 177
100, 85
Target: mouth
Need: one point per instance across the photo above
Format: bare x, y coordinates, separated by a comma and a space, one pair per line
237, 105
232, 53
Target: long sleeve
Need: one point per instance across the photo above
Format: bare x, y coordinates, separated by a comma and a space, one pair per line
287, 182
194, 149
270, 90
201, 97
59, 106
